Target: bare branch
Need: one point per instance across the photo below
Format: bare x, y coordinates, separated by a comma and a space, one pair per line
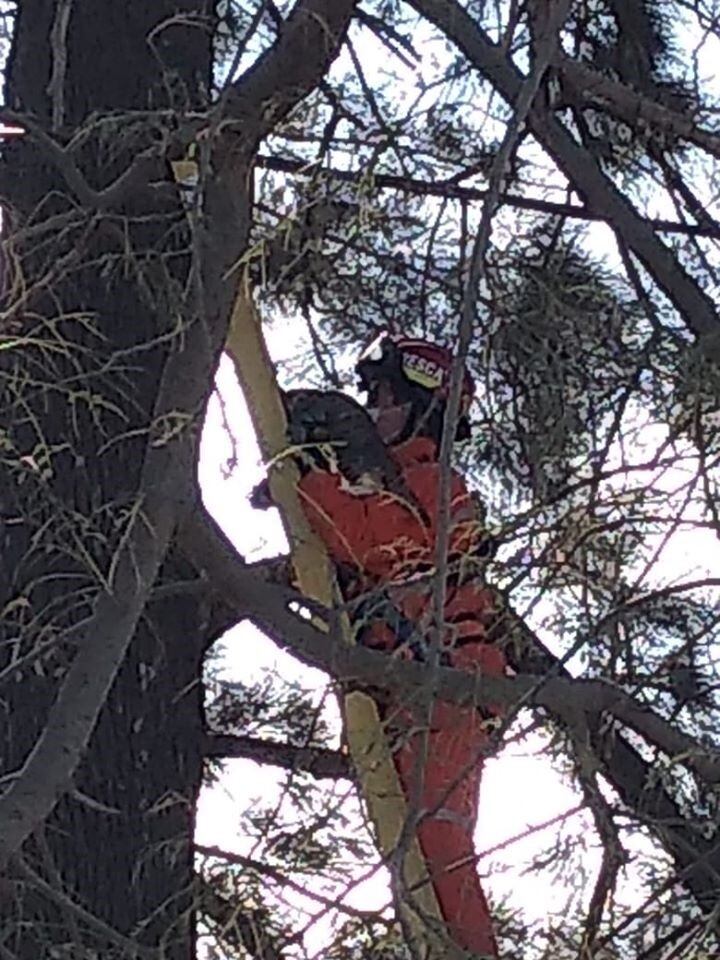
613, 854
126, 946
391, 38
58, 42
133, 177
556, 14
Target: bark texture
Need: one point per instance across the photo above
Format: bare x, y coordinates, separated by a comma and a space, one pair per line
119, 844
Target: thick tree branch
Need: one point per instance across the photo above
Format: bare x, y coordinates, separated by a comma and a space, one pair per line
286, 73
267, 605
581, 168
627, 104
318, 761
697, 855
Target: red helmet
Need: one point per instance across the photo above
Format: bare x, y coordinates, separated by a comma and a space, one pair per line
424, 364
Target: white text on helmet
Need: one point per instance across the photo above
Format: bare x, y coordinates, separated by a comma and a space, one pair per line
429, 368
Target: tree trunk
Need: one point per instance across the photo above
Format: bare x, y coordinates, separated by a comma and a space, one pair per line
101, 297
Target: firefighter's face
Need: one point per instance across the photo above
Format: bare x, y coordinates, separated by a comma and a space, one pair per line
390, 416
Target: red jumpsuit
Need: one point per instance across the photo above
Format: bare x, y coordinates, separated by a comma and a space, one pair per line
385, 539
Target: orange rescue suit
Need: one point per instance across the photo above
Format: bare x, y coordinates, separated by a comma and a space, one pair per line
386, 541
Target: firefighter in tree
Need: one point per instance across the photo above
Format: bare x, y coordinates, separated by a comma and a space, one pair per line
371, 495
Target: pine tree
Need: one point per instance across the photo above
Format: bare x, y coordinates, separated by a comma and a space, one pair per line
596, 352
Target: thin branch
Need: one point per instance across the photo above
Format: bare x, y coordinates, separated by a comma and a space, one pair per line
641, 600
496, 181
280, 878
239, 924
128, 948
133, 177
613, 855
385, 32
555, 17
243, 41
451, 190
58, 42
384, 127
